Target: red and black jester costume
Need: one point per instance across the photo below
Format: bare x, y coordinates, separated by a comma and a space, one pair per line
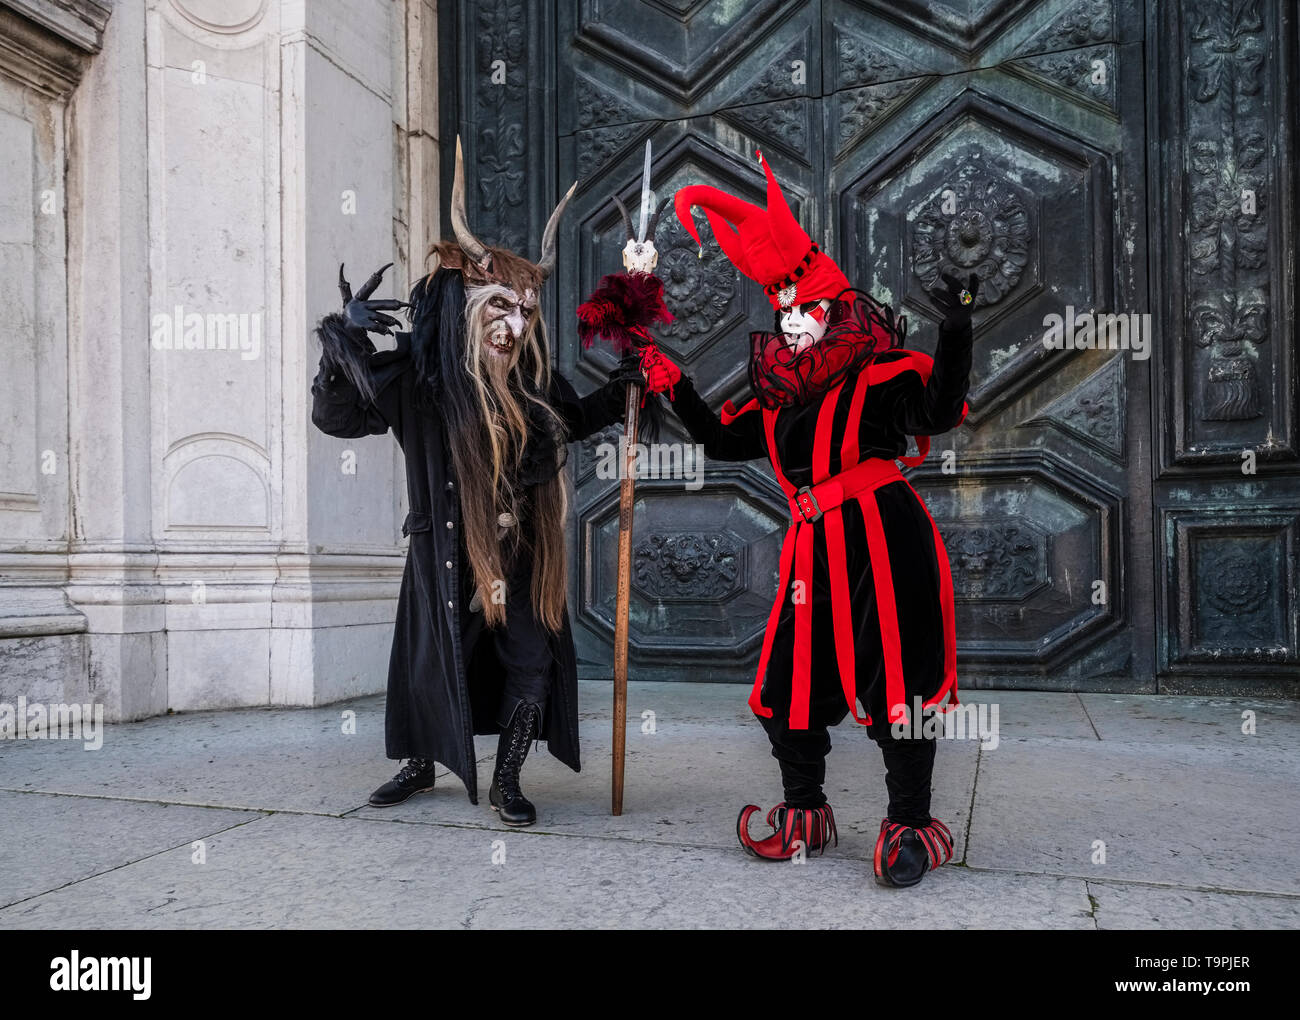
863, 616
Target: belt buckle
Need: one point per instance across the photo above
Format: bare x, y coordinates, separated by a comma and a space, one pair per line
798, 502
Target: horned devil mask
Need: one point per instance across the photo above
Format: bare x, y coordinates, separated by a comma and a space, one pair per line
502, 289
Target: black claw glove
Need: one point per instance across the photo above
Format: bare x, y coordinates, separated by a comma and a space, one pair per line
363, 313
628, 371
956, 311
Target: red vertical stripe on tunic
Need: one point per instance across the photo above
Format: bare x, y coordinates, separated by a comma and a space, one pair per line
821, 460
787, 561
769, 424
886, 610
842, 609
801, 678
756, 695
836, 553
949, 684
801, 681
849, 449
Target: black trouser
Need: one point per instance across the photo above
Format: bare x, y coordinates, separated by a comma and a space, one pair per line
909, 766
522, 644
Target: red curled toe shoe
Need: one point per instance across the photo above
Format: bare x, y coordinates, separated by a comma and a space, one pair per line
904, 855
808, 829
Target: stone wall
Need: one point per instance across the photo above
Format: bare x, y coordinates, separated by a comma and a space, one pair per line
174, 533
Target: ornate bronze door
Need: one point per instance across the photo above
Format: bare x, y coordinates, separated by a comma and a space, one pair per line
1099, 528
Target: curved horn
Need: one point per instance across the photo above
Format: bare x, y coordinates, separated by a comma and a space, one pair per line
547, 262
469, 244
654, 219
627, 220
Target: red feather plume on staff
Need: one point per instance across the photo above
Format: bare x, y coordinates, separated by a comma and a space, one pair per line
622, 309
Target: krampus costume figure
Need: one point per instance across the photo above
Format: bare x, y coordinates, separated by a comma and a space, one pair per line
482, 641
864, 609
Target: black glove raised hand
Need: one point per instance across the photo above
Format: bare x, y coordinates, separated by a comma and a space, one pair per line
365, 314
628, 370
956, 300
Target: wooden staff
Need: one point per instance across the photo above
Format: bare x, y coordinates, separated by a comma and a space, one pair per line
626, 495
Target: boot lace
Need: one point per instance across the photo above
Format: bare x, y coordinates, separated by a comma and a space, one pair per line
521, 734
411, 769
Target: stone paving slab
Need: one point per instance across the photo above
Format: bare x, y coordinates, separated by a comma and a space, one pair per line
1207, 722
296, 871
49, 841
1168, 813
261, 759
1132, 906
1035, 715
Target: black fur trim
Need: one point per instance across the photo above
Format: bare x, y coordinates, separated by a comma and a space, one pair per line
347, 349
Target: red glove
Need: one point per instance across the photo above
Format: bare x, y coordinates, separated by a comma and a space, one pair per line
661, 375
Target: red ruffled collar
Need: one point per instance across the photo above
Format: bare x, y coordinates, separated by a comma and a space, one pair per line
859, 329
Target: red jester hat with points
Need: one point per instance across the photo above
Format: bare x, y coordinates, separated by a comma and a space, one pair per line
767, 245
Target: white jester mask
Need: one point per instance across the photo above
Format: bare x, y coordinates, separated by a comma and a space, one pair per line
805, 324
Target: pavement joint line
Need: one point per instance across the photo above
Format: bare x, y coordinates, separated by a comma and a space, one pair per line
126, 864
1086, 714
970, 810
175, 803
1142, 882
533, 831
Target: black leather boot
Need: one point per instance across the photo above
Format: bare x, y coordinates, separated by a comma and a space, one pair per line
415, 777
505, 796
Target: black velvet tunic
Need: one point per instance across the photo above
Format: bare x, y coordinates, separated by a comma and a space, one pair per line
864, 610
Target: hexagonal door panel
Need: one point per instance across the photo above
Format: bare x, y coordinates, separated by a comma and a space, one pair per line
704, 573
986, 192
1035, 557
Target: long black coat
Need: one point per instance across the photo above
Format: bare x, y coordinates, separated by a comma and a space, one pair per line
439, 693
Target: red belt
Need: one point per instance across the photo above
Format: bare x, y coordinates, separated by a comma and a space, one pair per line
812, 501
